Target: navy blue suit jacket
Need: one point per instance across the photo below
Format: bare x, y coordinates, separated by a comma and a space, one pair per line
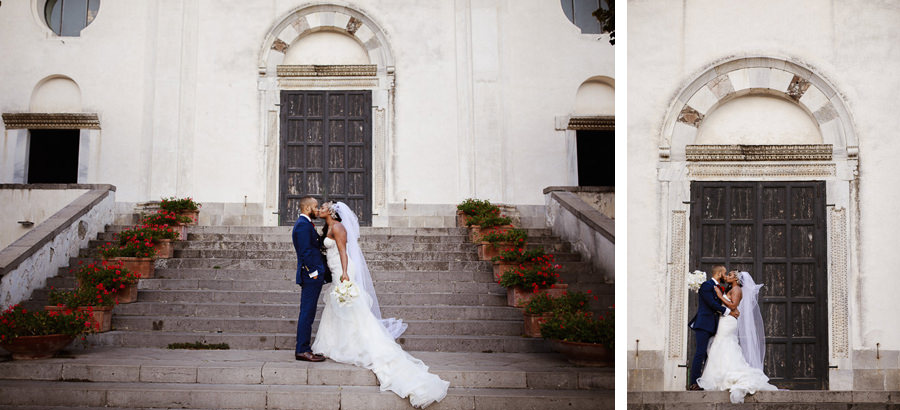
708, 310
309, 258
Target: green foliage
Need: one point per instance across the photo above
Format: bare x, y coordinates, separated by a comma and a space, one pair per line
173, 204
135, 243
539, 304
580, 327
488, 220
199, 346
521, 255
165, 218
571, 302
112, 275
17, 321
472, 207
531, 277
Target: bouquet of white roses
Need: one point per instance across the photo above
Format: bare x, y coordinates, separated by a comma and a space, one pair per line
345, 292
695, 279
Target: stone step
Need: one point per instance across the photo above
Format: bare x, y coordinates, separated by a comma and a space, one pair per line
384, 299
279, 325
291, 310
287, 264
222, 396
766, 400
288, 341
273, 367
364, 231
549, 246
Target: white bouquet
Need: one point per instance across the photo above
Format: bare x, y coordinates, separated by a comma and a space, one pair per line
695, 279
345, 292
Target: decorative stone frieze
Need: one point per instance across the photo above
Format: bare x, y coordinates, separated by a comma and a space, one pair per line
804, 152
363, 70
676, 283
34, 120
741, 170
838, 283
599, 123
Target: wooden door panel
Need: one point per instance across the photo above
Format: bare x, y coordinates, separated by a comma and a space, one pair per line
775, 231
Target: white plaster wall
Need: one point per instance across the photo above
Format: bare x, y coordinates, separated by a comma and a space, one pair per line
849, 44
175, 85
758, 119
35, 205
326, 47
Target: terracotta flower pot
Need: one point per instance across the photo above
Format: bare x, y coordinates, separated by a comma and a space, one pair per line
143, 267
461, 219
557, 290
128, 294
533, 323
36, 347
585, 354
516, 297
101, 315
500, 268
164, 248
486, 250
190, 214
182, 231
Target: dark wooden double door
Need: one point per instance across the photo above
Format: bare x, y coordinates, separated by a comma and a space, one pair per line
326, 151
775, 231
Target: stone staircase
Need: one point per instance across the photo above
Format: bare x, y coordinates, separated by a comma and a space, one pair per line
774, 400
235, 285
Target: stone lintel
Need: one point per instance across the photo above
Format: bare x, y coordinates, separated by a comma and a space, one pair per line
40, 120
803, 152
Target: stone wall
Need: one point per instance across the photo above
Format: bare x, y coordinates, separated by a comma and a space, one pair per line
591, 233
27, 263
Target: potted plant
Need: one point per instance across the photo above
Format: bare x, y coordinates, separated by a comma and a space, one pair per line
483, 224
96, 303
183, 207
537, 311
38, 335
523, 282
168, 219
511, 258
470, 208
135, 252
112, 275
162, 236
583, 339
504, 239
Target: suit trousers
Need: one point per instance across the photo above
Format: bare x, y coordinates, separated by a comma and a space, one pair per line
702, 337
309, 298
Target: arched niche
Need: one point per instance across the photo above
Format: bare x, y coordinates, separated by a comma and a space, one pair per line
758, 119
56, 94
326, 47
596, 97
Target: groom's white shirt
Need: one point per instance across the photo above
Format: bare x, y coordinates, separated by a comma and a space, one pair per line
727, 310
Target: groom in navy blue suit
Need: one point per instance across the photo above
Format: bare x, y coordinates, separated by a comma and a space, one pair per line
706, 321
312, 273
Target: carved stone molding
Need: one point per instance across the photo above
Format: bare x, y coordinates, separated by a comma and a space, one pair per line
379, 140
676, 284
305, 83
34, 120
839, 311
599, 123
366, 70
759, 170
800, 152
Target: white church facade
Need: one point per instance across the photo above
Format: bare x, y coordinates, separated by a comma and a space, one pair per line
400, 108
760, 138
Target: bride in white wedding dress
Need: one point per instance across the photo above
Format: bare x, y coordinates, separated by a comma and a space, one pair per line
733, 365
355, 333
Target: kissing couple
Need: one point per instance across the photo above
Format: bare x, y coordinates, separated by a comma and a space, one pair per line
354, 332
731, 319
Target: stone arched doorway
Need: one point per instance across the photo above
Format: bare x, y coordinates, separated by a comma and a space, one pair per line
715, 176
320, 66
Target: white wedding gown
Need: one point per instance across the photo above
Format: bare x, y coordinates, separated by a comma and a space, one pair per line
352, 334
726, 368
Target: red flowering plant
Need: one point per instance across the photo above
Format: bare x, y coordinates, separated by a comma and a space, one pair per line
173, 204
579, 326
517, 237
539, 304
521, 255
111, 275
533, 277
489, 220
159, 232
163, 217
97, 295
17, 321
135, 243
471, 207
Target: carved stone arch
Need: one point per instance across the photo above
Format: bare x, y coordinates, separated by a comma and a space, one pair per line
305, 19
758, 75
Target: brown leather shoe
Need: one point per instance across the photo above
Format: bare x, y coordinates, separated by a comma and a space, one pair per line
309, 357
695, 387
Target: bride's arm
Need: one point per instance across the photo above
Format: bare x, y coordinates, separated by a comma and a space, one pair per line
736, 295
340, 238
731, 305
